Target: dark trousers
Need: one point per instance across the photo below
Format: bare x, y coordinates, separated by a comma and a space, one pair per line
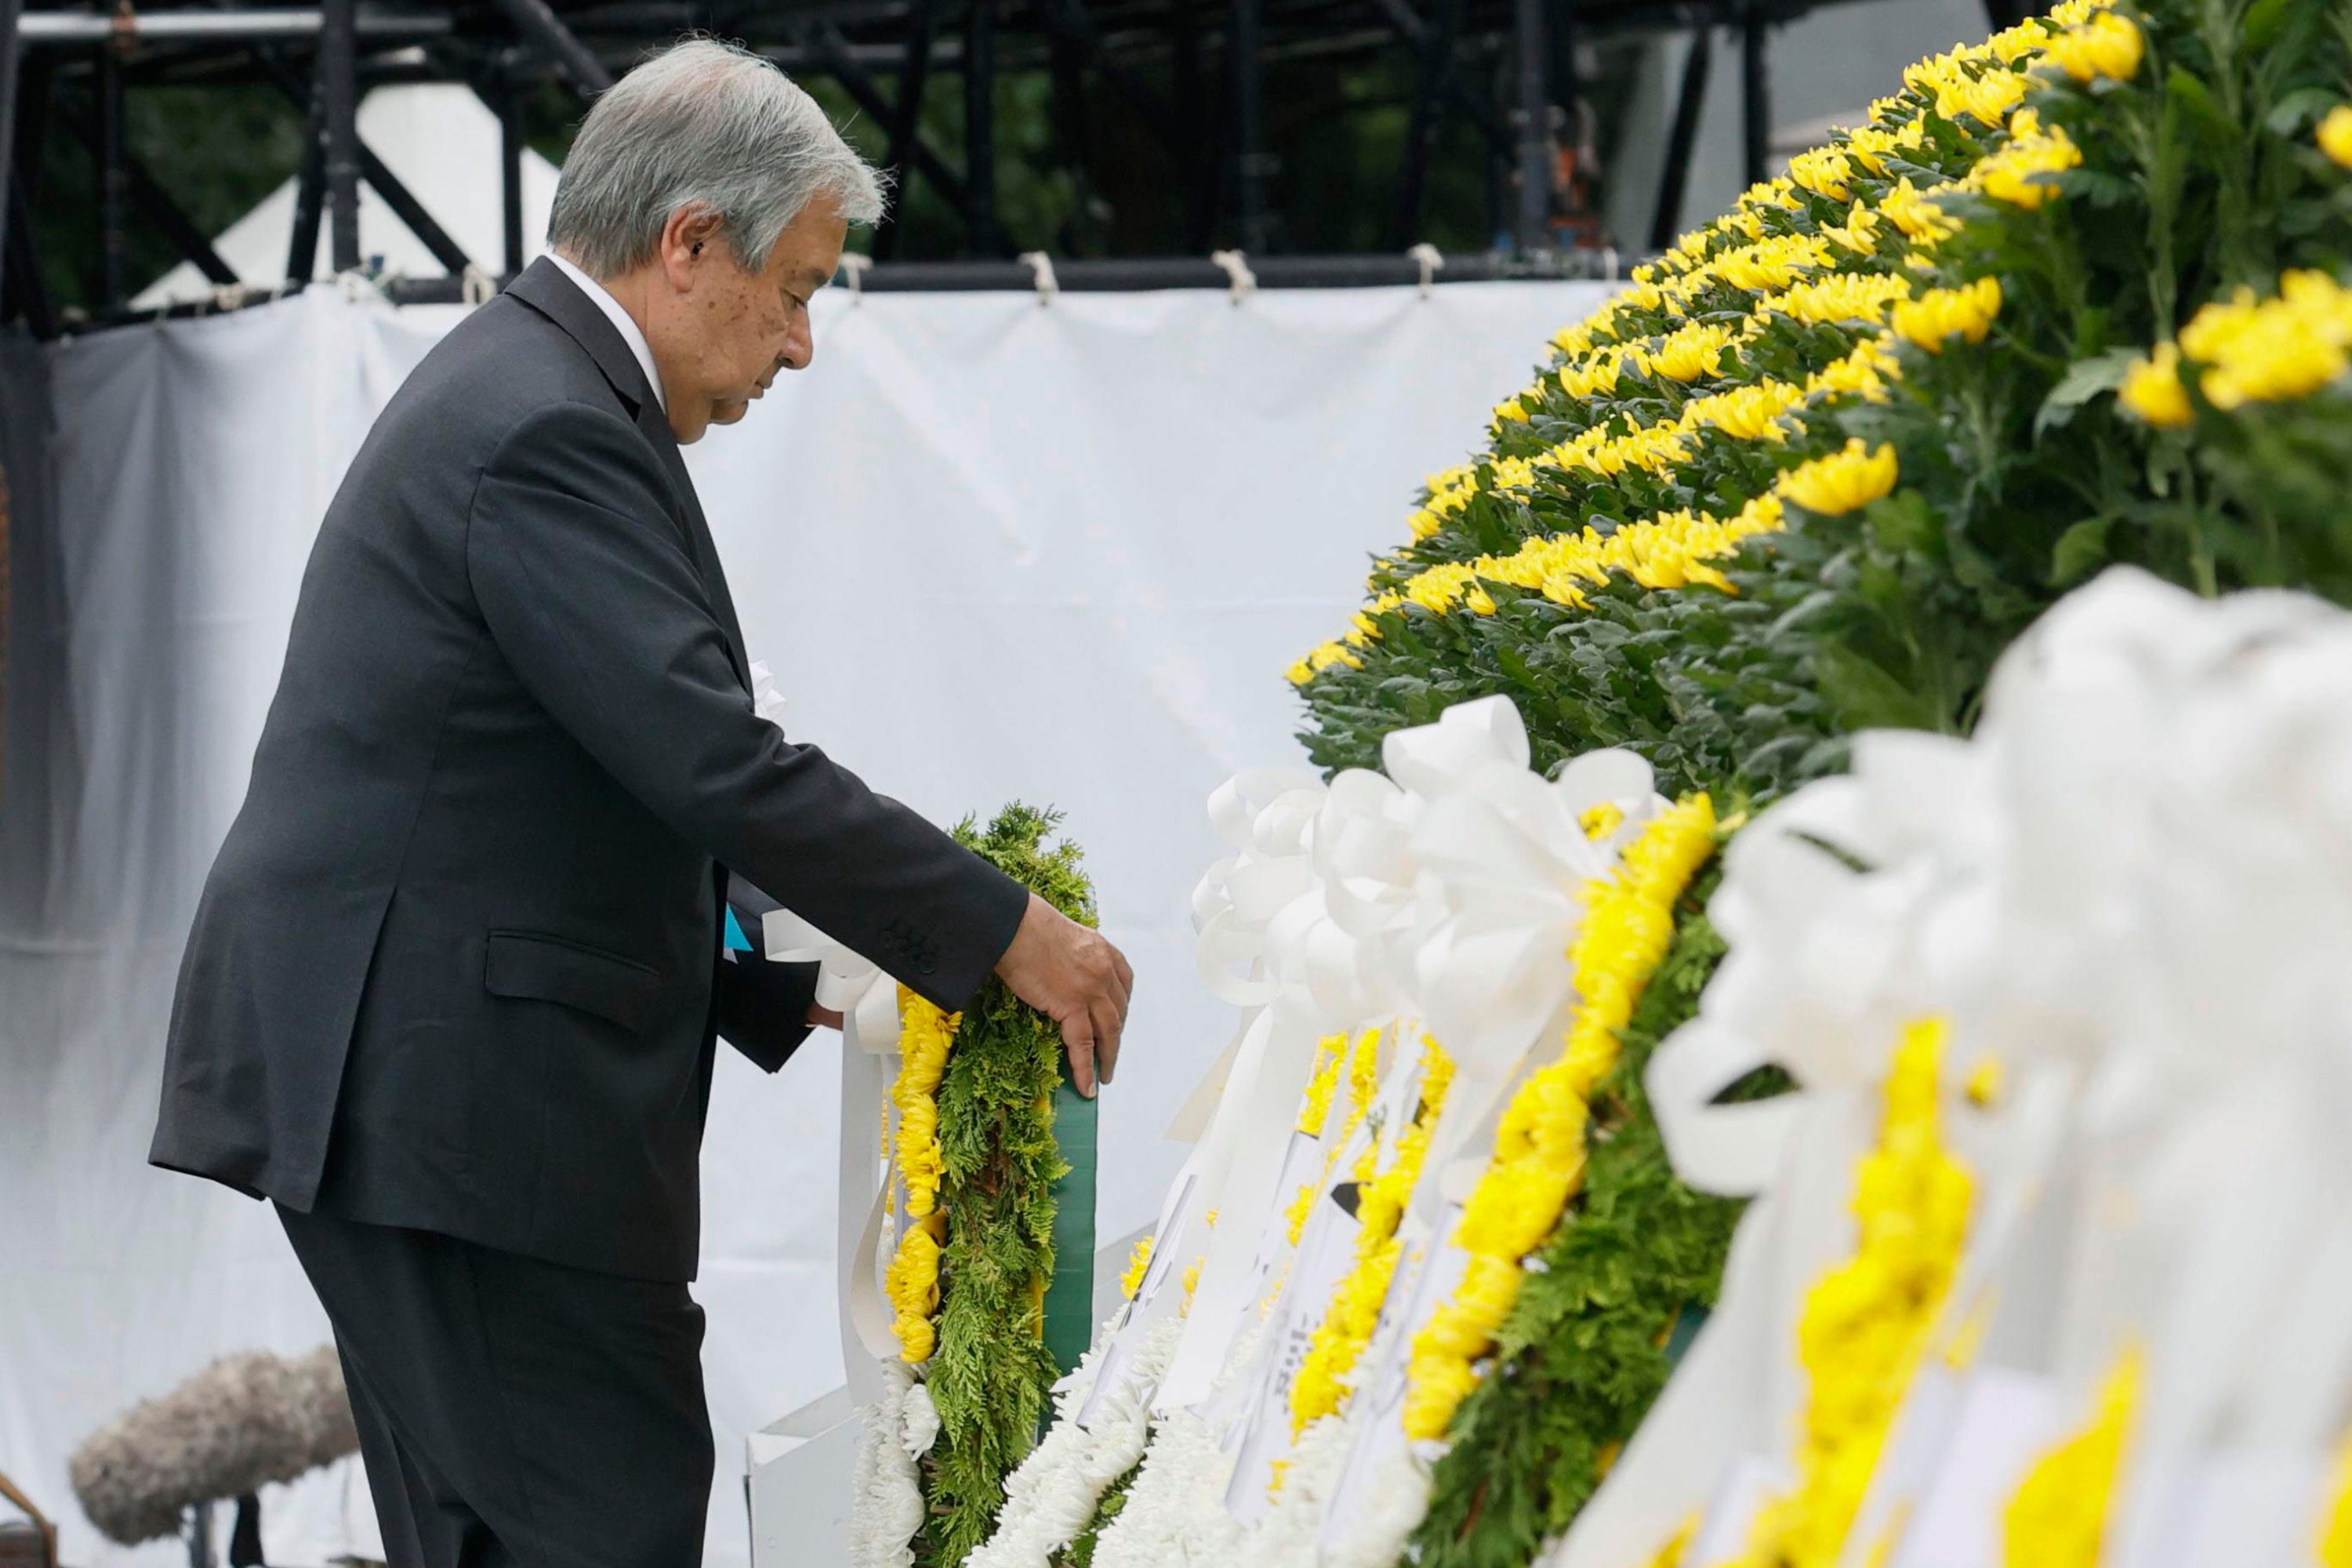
515, 1414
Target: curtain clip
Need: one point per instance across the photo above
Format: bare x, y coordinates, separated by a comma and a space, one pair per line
1237, 272
1041, 268
855, 263
1430, 259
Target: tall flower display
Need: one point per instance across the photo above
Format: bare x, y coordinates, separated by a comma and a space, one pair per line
2069, 297
2074, 296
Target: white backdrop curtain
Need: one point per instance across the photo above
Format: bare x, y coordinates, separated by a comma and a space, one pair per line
992, 549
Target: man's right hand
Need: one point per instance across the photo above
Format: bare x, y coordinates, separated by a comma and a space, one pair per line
1077, 979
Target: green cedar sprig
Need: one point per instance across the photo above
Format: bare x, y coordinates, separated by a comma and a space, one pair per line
990, 1374
1080, 1551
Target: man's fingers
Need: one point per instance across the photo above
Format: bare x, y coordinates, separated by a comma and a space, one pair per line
1121, 984
1078, 1039
1109, 1022
1107, 1055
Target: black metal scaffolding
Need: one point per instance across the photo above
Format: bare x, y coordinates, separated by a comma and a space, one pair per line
1188, 76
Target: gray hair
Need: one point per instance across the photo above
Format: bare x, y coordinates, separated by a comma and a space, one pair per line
708, 125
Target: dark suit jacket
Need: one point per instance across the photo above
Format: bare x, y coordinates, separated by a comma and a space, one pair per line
458, 965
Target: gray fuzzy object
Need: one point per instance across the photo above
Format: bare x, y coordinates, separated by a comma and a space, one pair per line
241, 1423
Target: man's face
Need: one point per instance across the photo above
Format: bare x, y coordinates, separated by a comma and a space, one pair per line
730, 331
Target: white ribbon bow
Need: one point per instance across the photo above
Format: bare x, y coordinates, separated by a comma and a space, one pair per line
1504, 861
867, 1000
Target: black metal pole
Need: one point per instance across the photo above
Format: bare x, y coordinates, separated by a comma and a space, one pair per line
1434, 59
980, 130
1755, 91
30, 294
309, 185
544, 32
113, 185
511, 151
1195, 158
1252, 165
907, 119
371, 169
1072, 136
1532, 230
9, 11
830, 51
339, 87
1674, 178
1498, 161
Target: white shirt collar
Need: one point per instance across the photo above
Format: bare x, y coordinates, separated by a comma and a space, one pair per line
626, 325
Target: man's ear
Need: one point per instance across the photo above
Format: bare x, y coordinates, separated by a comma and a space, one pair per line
690, 238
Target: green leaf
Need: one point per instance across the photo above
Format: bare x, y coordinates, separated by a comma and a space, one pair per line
2298, 109
2080, 551
1903, 522
2262, 21
2084, 380
2188, 95
1865, 696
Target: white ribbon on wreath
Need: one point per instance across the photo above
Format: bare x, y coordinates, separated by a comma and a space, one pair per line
1502, 863
867, 1000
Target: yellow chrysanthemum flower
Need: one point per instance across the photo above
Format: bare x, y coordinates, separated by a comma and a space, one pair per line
1138, 1263
2334, 1547
2059, 1514
1919, 218
2027, 38
1863, 371
1858, 233
1539, 1152
1825, 172
1871, 146
1773, 263
2335, 134
2152, 389
1690, 352
2106, 46
1940, 314
1841, 481
1595, 377
924, 1035
1750, 413
1842, 297
1866, 1323
2271, 350
2014, 174
1362, 1064
1321, 1387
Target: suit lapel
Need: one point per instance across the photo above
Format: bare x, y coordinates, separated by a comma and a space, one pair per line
699, 544
543, 287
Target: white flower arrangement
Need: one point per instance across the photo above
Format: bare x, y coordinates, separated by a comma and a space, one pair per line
1053, 1495
1286, 1537
888, 1495
1395, 1499
1175, 1511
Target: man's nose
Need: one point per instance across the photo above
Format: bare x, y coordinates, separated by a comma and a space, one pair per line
800, 347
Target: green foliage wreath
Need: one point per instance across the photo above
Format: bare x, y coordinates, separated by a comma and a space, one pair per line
991, 1373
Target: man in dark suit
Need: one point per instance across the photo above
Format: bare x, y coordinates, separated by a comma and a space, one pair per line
451, 993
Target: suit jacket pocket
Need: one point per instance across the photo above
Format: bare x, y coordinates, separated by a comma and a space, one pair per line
543, 968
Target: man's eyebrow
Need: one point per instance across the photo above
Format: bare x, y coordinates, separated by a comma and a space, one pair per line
815, 279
